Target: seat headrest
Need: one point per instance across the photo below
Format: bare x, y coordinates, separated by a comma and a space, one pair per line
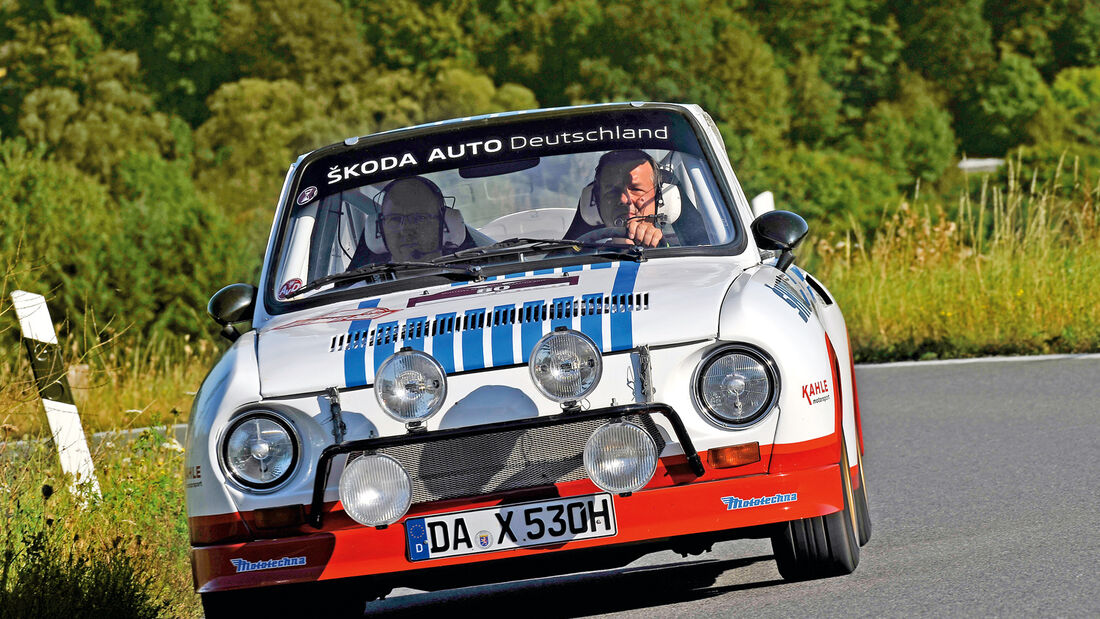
454, 231
670, 194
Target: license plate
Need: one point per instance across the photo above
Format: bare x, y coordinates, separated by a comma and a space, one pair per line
510, 526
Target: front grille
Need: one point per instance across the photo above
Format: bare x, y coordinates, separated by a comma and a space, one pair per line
502, 460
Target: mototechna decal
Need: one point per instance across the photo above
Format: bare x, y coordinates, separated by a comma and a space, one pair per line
244, 565
733, 502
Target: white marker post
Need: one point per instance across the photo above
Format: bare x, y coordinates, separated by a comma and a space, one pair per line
53, 387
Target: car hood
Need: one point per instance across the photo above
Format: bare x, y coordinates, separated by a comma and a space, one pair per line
470, 326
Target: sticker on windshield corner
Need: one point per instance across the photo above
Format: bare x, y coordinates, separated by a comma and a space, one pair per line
733, 502
816, 393
307, 195
289, 288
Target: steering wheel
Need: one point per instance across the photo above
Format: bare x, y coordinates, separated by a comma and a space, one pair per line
606, 235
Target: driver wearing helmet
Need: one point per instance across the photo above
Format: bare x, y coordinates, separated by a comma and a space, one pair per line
625, 194
413, 224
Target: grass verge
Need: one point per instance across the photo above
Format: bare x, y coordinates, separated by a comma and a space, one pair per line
1009, 271
124, 555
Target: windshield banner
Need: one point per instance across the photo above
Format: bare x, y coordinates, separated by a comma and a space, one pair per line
484, 146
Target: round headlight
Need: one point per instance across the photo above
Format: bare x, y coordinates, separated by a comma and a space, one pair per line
620, 457
260, 450
736, 386
375, 490
565, 365
410, 386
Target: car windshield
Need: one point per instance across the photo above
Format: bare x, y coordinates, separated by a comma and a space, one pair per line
614, 183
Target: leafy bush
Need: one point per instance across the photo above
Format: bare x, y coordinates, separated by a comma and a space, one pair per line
828, 188
912, 136
994, 117
144, 257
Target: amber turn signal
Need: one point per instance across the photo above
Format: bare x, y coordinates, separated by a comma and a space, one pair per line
734, 455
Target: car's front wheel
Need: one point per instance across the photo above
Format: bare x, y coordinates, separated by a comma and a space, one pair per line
863, 511
822, 546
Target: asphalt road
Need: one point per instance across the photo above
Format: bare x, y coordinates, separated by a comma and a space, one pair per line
984, 483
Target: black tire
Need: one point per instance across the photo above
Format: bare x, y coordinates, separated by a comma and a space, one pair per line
863, 511
822, 546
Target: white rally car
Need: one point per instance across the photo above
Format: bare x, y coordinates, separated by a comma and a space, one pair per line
516, 345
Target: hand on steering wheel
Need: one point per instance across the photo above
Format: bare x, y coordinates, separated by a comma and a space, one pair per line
612, 236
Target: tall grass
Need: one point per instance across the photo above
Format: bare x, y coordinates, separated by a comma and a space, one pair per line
125, 383
123, 555
1011, 269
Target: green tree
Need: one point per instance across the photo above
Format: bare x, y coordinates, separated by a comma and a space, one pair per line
1074, 41
169, 250
1071, 111
856, 43
255, 130
948, 41
177, 42
815, 105
995, 116
417, 35
311, 43
85, 103
458, 92
143, 257
912, 136
50, 53
826, 187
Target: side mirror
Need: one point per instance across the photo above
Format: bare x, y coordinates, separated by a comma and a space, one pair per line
780, 231
232, 304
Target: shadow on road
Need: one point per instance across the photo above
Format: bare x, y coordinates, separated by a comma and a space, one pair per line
580, 594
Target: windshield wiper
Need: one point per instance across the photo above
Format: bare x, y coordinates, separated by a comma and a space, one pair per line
522, 246
470, 271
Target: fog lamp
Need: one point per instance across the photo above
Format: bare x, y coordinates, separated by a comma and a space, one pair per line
375, 490
620, 457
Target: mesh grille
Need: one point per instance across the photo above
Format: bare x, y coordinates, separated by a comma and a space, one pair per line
501, 461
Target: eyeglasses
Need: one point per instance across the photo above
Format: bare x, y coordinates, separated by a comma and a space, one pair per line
410, 219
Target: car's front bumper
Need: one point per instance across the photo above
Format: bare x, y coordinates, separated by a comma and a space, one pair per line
675, 507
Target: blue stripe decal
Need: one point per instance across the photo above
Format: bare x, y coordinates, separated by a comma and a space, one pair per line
473, 351
571, 268
355, 357
543, 272
622, 328
561, 313
385, 339
531, 327
601, 265
592, 322
443, 342
515, 275
502, 335
415, 329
